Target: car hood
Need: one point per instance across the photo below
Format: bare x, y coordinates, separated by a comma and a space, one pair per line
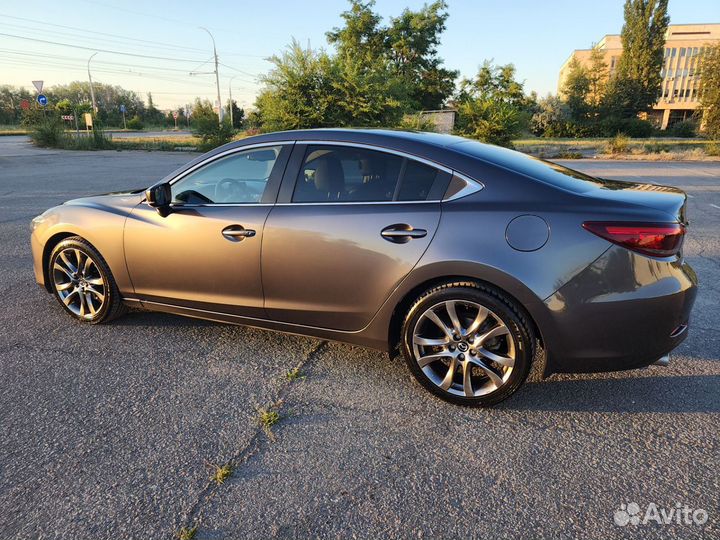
120, 199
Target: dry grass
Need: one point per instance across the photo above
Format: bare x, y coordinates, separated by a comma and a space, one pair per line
187, 533
221, 473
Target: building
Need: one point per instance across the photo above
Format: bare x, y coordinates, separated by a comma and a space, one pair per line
684, 43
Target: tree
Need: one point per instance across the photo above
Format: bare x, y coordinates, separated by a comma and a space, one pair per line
597, 75
403, 55
411, 42
552, 119
710, 90
298, 91
637, 83
376, 75
238, 114
492, 107
576, 90
153, 115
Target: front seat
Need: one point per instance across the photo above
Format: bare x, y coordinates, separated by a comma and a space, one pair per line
329, 179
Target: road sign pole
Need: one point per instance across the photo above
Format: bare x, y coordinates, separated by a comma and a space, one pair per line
124, 124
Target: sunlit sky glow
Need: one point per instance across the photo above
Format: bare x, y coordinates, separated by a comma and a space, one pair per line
536, 36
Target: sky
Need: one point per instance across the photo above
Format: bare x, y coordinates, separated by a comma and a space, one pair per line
163, 43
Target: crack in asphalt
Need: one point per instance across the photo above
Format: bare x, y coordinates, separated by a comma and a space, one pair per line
259, 441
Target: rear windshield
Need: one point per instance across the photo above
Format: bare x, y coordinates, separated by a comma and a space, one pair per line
549, 173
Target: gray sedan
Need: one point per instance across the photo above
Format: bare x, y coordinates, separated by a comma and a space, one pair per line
476, 263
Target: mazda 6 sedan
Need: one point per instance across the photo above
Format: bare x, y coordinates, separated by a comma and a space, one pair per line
476, 263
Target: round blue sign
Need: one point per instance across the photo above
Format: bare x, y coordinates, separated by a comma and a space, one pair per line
123, 109
42, 99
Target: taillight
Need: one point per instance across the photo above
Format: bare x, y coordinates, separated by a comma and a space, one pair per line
654, 239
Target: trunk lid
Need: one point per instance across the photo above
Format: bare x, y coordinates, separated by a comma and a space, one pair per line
669, 200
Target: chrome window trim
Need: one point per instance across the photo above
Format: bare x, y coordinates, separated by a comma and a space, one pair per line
225, 154
472, 185
382, 149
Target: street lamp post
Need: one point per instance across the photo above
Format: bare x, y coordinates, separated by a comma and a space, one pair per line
92, 90
217, 76
232, 123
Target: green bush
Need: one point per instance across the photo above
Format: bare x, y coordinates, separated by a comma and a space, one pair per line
619, 144
211, 133
684, 129
416, 122
712, 149
48, 132
95, 140
630, 127
656, 148
135, 123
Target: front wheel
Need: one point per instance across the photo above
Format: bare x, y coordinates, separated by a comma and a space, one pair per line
468, 344
82, 283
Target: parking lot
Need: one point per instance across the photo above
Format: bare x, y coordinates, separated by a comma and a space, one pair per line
114, 431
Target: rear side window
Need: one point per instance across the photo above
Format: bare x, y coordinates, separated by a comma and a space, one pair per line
350, 174
417, 181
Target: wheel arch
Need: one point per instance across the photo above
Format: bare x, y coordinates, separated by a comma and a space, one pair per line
53, 241
532, 307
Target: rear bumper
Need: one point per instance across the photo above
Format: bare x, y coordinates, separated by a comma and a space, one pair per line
624, 311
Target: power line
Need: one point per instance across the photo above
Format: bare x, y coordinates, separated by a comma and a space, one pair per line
101, 33
98, 49
83, 60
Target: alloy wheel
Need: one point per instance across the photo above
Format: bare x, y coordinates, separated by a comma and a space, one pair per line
464, 348
78, 283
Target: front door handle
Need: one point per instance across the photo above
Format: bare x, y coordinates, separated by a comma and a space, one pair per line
401, 233
235, 233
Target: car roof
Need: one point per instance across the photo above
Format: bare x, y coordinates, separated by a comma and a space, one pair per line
382, 137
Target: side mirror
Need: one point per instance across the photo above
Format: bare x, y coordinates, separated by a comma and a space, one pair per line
159, 197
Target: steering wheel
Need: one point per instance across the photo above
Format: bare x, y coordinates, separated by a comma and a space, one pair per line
232, 190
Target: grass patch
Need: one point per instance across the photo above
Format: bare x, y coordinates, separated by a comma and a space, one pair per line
167, 144
294, 374
222, 473
619, 144
187, 533
650, 149
268, 417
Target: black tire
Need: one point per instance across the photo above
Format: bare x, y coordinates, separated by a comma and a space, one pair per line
501, 307
111, 306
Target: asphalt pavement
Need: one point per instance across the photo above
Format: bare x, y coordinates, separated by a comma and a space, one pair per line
114, 431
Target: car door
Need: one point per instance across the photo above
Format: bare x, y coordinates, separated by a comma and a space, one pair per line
205, 253
350, 223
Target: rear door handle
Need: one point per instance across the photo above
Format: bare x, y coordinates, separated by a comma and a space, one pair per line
401, 233
235, 233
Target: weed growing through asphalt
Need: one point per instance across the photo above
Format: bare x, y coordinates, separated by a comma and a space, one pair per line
222, 473
294, 374
268, 417
187, 533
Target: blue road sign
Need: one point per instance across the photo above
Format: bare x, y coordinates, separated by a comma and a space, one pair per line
42, 99
123, 109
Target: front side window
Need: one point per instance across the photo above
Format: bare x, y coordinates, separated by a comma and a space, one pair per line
349, 174
238, 178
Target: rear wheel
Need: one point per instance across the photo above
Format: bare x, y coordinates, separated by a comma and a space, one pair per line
82, 283
468, 344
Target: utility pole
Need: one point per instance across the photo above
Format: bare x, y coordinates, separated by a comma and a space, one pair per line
232, 123
92, 90
217, 76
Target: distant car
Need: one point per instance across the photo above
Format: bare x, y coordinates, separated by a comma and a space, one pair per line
474, 261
